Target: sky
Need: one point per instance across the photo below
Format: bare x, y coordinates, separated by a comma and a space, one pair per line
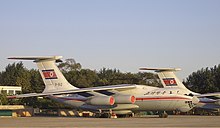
121, 34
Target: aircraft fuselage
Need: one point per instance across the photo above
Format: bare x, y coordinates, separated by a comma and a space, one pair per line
147, 98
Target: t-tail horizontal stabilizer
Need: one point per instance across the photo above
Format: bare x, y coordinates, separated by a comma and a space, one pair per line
167, 77
38, 58
160, 69
53, 78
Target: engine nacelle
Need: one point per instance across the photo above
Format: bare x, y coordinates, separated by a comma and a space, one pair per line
124, 99
101, 100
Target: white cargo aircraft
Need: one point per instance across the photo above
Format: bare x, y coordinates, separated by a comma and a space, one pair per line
114, 99
210, 101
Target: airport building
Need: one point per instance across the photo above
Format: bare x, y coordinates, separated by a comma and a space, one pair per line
13, 110
10, 90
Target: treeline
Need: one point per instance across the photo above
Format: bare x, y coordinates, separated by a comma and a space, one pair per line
31, 81
89, 78
204, 80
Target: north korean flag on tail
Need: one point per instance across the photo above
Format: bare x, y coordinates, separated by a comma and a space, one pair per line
49, 74
170, 82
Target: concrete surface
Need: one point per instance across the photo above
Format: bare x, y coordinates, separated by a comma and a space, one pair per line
149, 121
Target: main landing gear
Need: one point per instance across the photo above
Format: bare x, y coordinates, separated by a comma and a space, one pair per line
107, 114
163, 115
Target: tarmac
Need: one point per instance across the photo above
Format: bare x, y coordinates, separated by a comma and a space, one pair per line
136, 122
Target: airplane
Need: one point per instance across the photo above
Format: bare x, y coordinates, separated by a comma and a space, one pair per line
105, 101
208, 101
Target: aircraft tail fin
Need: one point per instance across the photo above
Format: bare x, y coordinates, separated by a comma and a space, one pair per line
168, 77
50, 73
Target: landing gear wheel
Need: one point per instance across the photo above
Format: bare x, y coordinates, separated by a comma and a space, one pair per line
163, 115
107, 115
98, 115
132, 114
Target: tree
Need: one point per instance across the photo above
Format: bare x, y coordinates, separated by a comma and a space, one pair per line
3, 99
150, 79
110, 76
69, 65
82, 78
16, 74
36, 81
12, 71
204, 80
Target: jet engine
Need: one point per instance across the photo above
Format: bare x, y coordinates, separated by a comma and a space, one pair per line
124, 99
101, 100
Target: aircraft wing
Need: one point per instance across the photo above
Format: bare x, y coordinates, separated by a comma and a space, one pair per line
92, 89
215, 95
